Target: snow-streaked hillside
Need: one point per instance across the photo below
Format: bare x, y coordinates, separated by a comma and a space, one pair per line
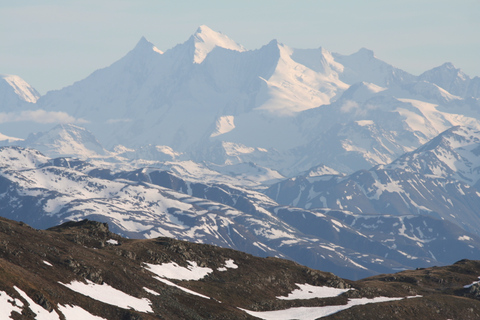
454, 154
439, 179
149, 202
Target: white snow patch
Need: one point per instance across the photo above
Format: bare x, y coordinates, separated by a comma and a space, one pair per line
365, 123
471, 284
110, 295
112, 241
76, 313
8, 305
223, 125
41, 313
181, 288
307, 291
172, 270
155, 293
464, 238
47, 263
312, 313
230, 264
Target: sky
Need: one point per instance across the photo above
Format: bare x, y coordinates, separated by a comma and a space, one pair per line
53, 43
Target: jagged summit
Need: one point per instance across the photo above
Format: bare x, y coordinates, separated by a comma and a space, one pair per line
205, 40
365, 53
447, 67
448, 77
143, 45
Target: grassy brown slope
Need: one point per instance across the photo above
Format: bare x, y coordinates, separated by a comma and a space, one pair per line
79, 251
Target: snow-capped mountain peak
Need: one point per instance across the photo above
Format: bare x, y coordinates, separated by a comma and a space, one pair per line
16, 85
144, 45
66, 140
448, 77
205, 40
144, 50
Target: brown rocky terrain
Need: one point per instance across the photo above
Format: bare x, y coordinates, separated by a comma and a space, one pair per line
42, 263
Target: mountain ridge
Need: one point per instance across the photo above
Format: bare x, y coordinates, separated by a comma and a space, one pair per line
59, 272
267, 94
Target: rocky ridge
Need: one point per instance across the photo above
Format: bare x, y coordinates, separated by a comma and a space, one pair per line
52, 273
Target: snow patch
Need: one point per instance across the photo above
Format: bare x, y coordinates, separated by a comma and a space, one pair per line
165, 281
41, 313
77, 313
155, 293
471, 284
223, 125
312, 313
307, 291
172, 270
8, 305
109, 295
230, 264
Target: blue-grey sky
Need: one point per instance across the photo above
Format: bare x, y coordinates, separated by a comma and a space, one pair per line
53, 43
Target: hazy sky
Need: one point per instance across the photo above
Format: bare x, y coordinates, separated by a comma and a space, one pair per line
52, 44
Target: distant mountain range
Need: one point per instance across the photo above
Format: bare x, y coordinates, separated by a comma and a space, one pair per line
196, 205
283, 108
340, 162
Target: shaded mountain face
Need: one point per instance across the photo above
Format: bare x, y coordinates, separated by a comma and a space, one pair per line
449, 78
83, 270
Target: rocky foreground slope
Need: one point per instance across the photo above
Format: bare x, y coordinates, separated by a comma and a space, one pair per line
82, 270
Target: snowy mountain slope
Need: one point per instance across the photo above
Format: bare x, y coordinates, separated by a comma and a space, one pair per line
186, 97
454, 154
15, 92
148, 152
249, 172
329, 227
206, 40
57, 192
408, 240
6, 140
65, 140
437, 179
147, 203
420, 234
